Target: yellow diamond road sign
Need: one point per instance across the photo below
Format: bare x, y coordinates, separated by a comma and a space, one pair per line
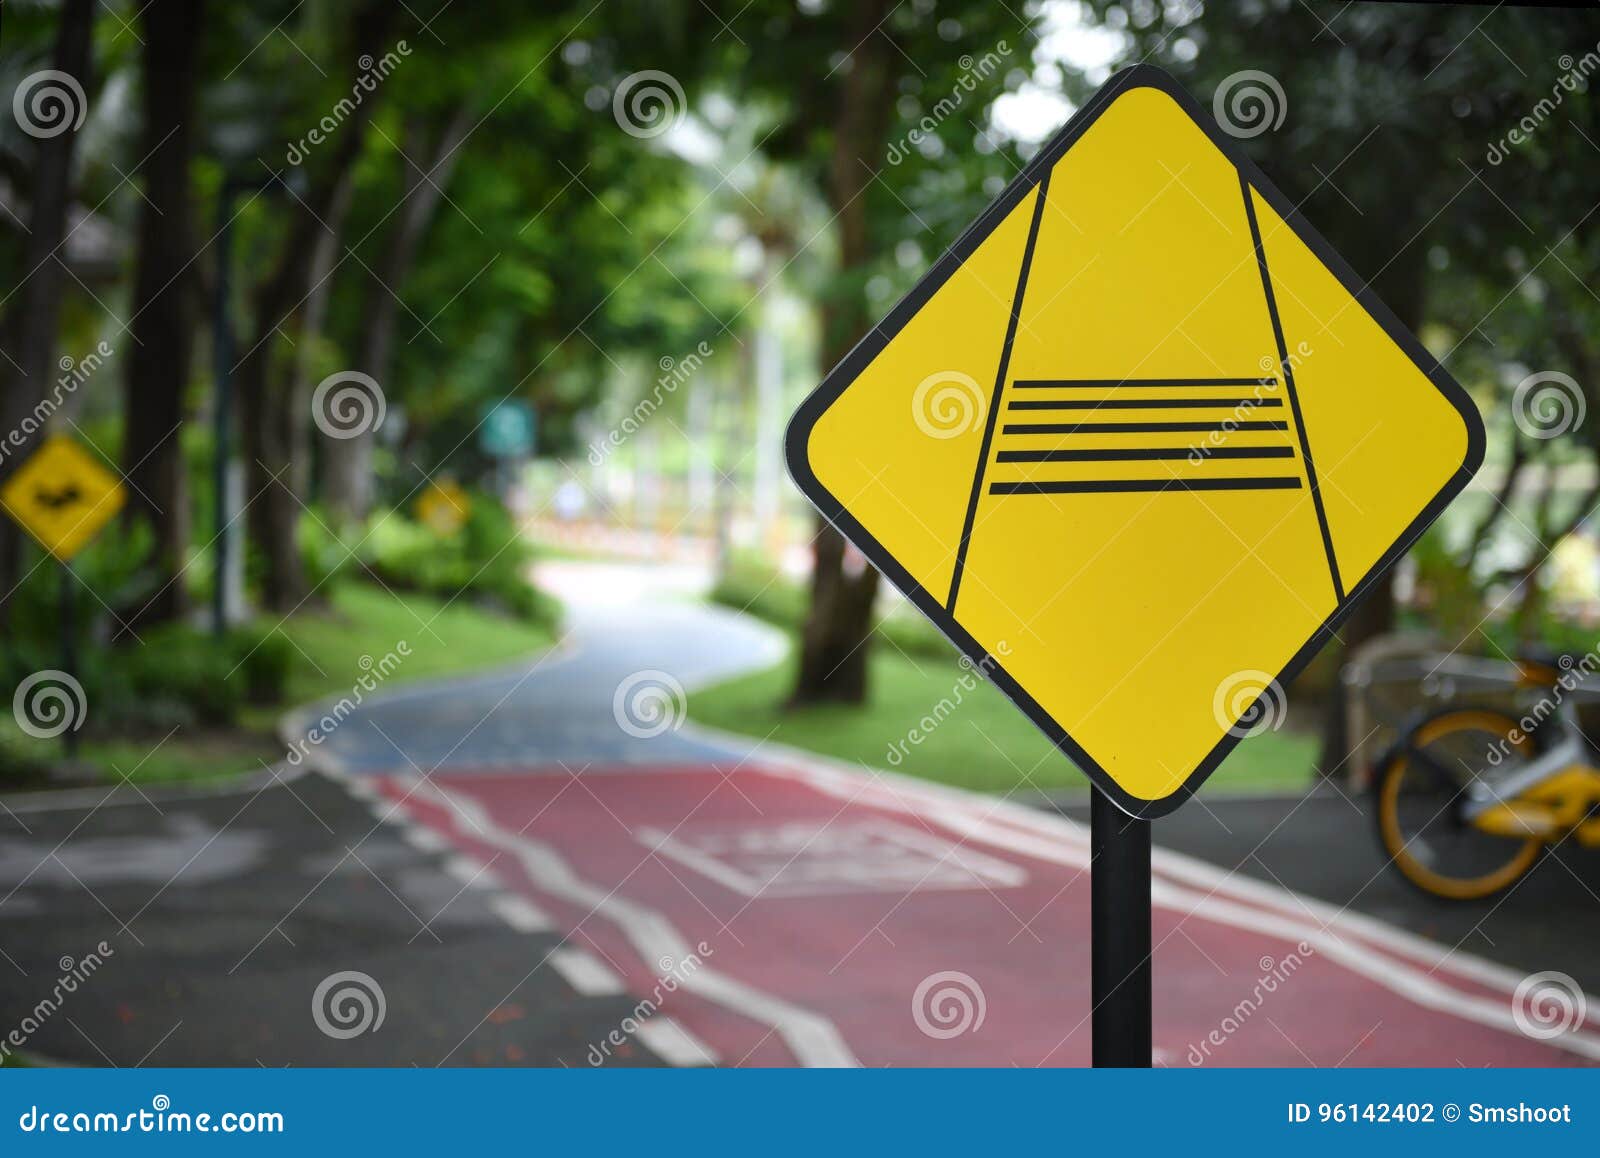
1138, 442
62, 496
444, 506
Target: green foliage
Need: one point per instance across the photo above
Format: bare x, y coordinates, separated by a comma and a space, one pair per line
174, 676
1446, 592
754, 586
178, 672
363, 619
936, 721
181, 675
265, 660
328, 549
486, 560
109, 586
23, 763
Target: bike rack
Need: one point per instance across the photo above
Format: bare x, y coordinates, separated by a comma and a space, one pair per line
1394, 677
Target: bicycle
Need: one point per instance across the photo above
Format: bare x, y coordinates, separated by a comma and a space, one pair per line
1469, 797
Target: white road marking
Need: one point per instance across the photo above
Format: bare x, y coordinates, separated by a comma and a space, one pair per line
585, 972
362, 789
674, 1044
1352, 939
468, 871
521, 914
812, 1038
419, 836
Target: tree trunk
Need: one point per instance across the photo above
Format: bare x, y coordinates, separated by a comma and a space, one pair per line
272, 515
835, 640
767, 490
272, 421
725, 437
31, 328
295, 433
347, 480
162, 333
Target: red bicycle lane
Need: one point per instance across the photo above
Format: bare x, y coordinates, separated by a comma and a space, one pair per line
790, 913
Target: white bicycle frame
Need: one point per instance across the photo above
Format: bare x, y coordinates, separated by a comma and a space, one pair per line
1570, 747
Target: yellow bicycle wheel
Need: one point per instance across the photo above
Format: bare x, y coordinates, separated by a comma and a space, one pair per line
1421, 789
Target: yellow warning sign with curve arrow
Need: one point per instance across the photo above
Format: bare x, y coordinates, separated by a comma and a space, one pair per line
1137, 442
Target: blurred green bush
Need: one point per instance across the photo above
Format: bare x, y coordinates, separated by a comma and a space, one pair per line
487, 559
752, 584
174, 676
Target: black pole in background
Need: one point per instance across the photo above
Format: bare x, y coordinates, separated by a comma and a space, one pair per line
69, 650
1119, 886
222, 408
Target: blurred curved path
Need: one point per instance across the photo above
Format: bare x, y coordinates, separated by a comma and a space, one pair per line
622, 620
777, 908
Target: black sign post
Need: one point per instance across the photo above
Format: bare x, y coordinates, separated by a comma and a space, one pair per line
1119, 885
69, 649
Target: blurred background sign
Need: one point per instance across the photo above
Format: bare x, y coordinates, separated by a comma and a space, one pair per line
62, 497
444, 506
507, 431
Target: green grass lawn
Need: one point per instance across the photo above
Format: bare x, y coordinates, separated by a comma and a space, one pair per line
365, 620
329, 642
984, 743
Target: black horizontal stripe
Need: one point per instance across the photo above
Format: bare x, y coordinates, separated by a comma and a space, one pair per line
1139, 454
1089, 383
1135, 427
1149, 404
1113, 486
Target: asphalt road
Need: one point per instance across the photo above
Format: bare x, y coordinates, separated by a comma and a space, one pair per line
203, 926
1323, 845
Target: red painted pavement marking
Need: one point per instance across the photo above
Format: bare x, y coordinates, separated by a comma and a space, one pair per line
843, 902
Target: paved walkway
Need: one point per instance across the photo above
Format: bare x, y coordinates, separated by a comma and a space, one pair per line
784, 909
625, 622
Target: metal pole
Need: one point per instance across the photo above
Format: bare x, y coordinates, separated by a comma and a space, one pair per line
1119, 889
222, 409
69, 651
